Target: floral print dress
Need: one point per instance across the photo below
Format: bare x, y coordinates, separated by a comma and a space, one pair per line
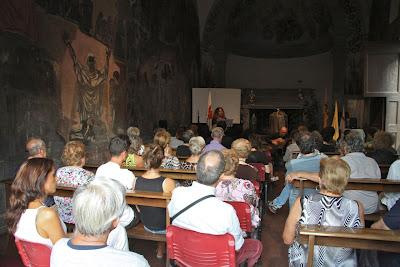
239, 190
70, 176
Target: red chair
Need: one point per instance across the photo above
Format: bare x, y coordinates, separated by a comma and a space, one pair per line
33, 254
243, 213
256, 187
189, 248
261, 171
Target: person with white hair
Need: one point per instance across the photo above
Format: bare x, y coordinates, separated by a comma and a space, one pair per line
217, 133
196, 145
93, 225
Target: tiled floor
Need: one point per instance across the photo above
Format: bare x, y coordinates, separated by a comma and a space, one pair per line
274, 253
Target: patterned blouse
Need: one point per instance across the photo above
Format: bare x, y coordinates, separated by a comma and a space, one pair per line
71, 176
170, 162
328, 211
239, 190
184, 165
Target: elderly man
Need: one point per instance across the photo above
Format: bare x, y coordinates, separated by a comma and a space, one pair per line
361, 167
211, 215
307, 161
36, 148
217, 134
89, 247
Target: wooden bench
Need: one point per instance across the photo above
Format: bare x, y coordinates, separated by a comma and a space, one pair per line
168, 173
358, 238
379, 185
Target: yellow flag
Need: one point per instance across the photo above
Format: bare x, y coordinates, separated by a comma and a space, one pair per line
335, 122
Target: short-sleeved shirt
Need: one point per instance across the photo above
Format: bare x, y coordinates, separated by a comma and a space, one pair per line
112, 170
66, 254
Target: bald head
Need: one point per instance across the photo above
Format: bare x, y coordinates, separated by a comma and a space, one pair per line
36, 148
210, 167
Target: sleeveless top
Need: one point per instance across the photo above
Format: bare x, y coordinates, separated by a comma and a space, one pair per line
26, 228
327, 211
152, 217
130, 161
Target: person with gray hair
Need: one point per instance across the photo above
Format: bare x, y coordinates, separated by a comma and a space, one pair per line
361, 166
183, 151
209, 214
36, 148
93, 225
196, 145
217, 133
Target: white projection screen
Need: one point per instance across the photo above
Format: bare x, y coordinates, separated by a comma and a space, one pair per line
228, 99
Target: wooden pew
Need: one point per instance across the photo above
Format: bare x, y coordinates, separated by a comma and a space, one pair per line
358, 238
168, 173
379, 185
144, 198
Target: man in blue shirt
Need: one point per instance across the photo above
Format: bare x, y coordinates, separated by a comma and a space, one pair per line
307, 161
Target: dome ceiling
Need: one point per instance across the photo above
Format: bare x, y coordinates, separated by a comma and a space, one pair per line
271, 28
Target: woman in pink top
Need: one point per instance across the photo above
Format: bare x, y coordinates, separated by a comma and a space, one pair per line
28, 218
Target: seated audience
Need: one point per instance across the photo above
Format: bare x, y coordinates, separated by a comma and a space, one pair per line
256, 155
227, 138
292, 150
112, 170
136, 149
183, 150
211, 215
383, 152
307, 161
231, 188
389, 199
217, 134
36, 148
176, 139
242, 147
391, 221
119, 150
71, 175
27, 217
88, 247
361, 166
328, 208
318, 140
153, 218
196, 145
328, 144
162, 138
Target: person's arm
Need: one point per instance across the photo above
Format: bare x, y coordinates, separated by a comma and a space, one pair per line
139, 161
48, 224
313, 176
289, 233
168, 185
380, 225
361, 212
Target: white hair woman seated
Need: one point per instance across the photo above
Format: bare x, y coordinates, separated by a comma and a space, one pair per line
97, 208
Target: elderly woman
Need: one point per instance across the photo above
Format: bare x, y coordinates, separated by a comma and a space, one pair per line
328, 208
242, 147
383, 152
162, 138
27, 217
136, 149
88, 247
154, 218
72, 175
196, 145
231, 188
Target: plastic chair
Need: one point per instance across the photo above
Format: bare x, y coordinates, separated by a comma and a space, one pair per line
243, 213
33, 254
256, 187
189, 248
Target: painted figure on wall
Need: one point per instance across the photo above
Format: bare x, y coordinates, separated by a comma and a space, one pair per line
91, 82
